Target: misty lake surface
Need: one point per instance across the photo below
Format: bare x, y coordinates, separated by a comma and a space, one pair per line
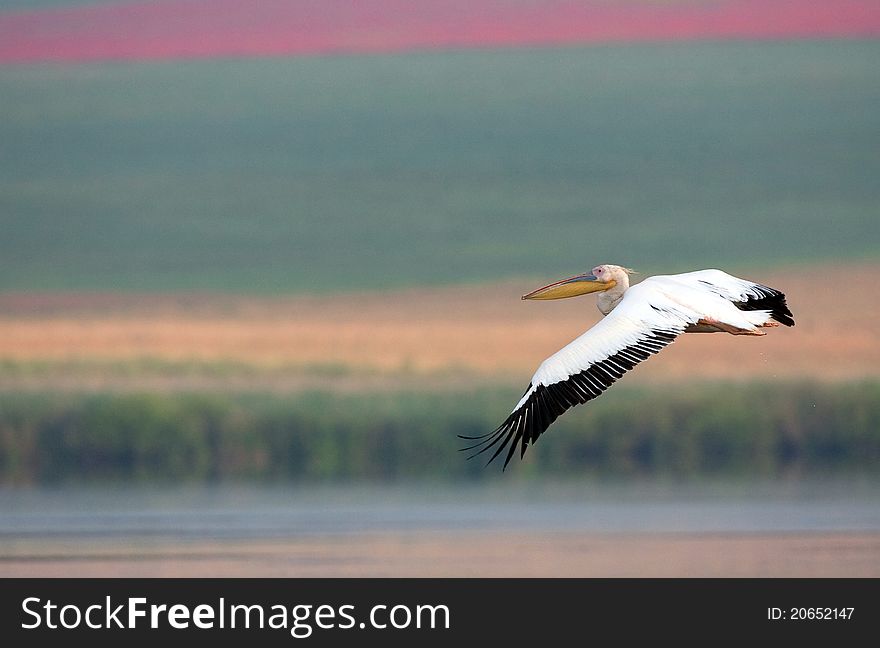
258, 512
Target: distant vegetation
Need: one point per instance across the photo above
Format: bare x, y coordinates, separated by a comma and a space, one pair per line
351, 172
746, 429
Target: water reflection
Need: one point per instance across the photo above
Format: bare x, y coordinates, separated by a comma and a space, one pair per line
293, 510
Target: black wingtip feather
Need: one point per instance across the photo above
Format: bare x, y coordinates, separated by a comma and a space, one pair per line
772, 300
547, 402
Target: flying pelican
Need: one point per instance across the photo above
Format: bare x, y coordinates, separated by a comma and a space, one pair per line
639, 321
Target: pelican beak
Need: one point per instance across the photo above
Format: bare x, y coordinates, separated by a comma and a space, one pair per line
571, 287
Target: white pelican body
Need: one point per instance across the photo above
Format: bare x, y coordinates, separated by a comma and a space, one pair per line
639, 321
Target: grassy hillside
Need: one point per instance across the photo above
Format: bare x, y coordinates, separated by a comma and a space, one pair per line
346, 173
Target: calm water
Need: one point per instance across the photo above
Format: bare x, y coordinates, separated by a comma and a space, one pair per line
264, 512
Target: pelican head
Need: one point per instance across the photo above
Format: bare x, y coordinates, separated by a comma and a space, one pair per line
601, 278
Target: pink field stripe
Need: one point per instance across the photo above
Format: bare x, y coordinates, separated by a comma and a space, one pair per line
165, 29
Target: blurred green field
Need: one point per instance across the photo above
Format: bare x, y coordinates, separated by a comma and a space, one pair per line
724, 428
343, 173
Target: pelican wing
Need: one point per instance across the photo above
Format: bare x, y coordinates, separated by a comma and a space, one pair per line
642, 324
744, 295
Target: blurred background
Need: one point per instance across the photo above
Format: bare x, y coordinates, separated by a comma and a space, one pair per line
260, 263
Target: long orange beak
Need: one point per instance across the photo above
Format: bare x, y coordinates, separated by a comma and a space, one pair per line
571, 287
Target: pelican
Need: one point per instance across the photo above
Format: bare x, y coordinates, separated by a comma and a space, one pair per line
638, 322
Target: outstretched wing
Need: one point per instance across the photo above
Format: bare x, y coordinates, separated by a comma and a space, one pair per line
745, 295
642, 324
